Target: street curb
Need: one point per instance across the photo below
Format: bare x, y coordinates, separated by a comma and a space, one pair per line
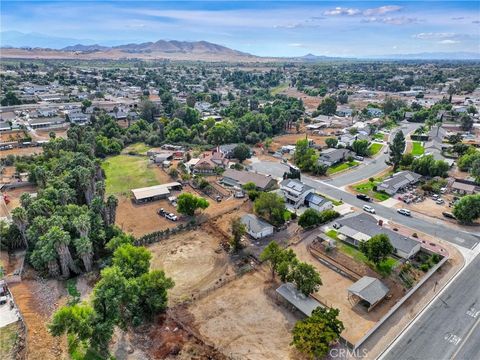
407, 326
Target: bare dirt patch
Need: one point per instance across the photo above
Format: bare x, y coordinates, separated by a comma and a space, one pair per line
291, 139
243, 321
21, 151
310, 102
195, 260
37, 300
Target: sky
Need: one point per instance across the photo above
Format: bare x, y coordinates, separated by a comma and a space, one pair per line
269, 28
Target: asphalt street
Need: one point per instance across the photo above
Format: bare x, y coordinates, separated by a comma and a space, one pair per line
436, 228
449, 328
370, 167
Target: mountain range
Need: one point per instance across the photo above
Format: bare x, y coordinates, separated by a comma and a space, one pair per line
38, 46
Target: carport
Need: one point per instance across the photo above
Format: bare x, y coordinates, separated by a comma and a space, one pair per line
369, 290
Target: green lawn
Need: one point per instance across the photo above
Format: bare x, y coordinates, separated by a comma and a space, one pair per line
418, 148
375, 148
384, 268
278, 89
342, 166
8, 337
367, 189
379, 136
125, 172
138, 148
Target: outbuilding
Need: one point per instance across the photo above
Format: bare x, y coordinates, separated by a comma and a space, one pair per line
368, 290
256, 227
153, 193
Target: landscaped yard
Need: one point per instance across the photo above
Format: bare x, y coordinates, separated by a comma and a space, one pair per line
418, 148
379, 136
383, 268
375, 148
126, 172
367, 189
342, 166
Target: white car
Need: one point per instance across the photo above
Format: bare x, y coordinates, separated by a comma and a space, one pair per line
369, 209
405, 212
171, 216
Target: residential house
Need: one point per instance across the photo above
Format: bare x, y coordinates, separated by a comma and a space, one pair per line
295, 192
361, 227
374, 112
332, 156
78, 118
398, 182
53, 122
348, 139
317, 202
435, 146
209, 163
238, 178
256, 227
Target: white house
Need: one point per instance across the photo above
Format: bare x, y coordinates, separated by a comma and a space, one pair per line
256, 228
295, 192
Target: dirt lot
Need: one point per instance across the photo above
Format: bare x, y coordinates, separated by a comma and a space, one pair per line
244, 322
44, 134
333, 292
14, 197
194, 260
21, 151
310, 102
291, 139
37, 301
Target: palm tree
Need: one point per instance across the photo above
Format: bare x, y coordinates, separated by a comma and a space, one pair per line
84, 249
20, 219
82, 224
111, 209
60, 240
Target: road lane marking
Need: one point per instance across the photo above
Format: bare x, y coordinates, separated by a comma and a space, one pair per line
465, 339
452, 338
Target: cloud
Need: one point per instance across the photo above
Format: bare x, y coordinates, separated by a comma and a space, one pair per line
448, 42
342, 11
382, 10
476, 21
458, 18
450, 36
401, 20
296, 45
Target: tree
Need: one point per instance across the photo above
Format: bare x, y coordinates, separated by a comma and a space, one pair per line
187, 204
241, 152
10, 99
74, 320
305, 277
314, 335
377, 248
272, 253
466, 122
271, 207
131, 260
328, 106
360, 147
396, 149
475, 170
238, 230
86, 104
467, 209
407, 159
84, 249
148, 111
305, 157
309, 218
20, 219
331, 142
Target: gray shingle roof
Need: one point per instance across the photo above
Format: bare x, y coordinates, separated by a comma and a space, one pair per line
254, 224
243, 177
305, 304
369, 289
315, 199
367, 224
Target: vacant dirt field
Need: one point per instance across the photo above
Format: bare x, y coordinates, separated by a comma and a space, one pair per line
37, 301
310, 102
21, 151
14, 197
194, 260
291, 139
244, 322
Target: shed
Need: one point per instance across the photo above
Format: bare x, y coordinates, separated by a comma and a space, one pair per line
368, 289
305, 304
256, 227
152, 193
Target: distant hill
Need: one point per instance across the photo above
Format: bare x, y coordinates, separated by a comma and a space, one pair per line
462, 55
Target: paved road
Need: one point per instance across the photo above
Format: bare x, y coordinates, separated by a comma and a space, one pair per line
370, 167
437, 228
450, 328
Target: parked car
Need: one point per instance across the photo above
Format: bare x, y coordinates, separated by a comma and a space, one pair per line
161, 212
218, 198
364, 197
358, 157
369, 209
239, 194
448, 215
171, 216
439, 201
405, 212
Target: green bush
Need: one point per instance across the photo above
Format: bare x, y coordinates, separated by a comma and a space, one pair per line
425, 267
